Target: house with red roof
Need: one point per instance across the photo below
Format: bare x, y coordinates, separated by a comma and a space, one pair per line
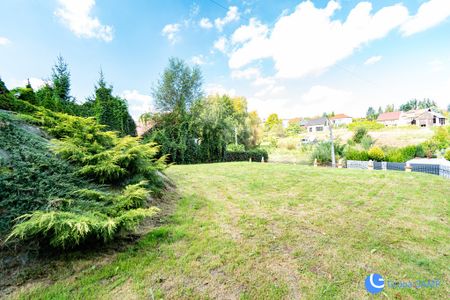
419, 117
392, 118
341, 119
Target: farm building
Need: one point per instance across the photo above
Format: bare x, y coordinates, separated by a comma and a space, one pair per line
420, 117
423, 118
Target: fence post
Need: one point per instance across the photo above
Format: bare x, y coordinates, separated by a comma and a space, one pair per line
262, 159
250, 159
315, 162
339, 165
384, 165
370, 165
408, 167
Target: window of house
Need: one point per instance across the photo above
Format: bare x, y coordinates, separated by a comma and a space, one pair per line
319, 128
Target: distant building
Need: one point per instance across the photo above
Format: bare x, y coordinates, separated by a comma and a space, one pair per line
390, 118
317, 125
419, 117
423, 118
143, 127
341, 119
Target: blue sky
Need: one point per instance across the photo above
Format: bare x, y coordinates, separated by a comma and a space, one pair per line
294, 58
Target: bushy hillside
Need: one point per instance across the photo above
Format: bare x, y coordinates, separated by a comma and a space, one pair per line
85, 184
31, 177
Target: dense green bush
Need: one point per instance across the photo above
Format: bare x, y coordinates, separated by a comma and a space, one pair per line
53, 201
376, 153
236, 148
404, 154
88, 214
447, 154
359, 134
322, 152
254, 154
441, 137
354, 154
29, 174
367, 142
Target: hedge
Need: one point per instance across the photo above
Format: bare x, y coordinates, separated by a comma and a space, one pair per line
354, 154
254, 154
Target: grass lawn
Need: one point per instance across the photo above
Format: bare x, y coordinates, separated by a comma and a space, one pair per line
273, 231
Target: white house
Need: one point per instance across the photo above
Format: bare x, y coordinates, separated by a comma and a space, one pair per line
341, 119
390, 118
317, 125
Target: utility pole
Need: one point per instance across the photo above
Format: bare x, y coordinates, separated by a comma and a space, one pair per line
333, 157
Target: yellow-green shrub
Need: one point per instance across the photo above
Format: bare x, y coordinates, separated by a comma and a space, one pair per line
376, 153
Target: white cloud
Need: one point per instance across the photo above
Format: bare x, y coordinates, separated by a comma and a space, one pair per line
77, 16
231, 16
268, 86
4, 41
253, 30
256, 44
245, 74
270, 90
373, 60
429, 14
137, 103
205, 23
36, 83
315, 101
218, 89
221, 44
170, 31
308, 41
198, 60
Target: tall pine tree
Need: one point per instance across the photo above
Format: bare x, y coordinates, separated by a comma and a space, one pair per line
61, 80
112, 111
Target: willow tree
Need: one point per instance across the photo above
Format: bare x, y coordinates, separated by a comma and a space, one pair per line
175, 93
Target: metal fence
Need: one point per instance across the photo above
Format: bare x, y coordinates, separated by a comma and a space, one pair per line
357, 164
430, 169
444, 171
396, 166
440, 170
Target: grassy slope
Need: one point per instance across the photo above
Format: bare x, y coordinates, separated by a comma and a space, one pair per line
279, 231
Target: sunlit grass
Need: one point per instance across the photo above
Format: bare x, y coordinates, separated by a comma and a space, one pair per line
269, 231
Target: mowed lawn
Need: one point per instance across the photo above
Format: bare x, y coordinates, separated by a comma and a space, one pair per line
274, 231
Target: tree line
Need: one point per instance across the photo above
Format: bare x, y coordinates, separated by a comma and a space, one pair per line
108, 109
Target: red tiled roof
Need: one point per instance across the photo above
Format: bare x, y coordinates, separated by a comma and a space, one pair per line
339, 116
389, 116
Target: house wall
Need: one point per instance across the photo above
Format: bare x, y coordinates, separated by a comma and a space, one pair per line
316, 128
343, 121
390, 122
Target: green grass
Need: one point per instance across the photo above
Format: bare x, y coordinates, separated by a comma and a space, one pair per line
269, 231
